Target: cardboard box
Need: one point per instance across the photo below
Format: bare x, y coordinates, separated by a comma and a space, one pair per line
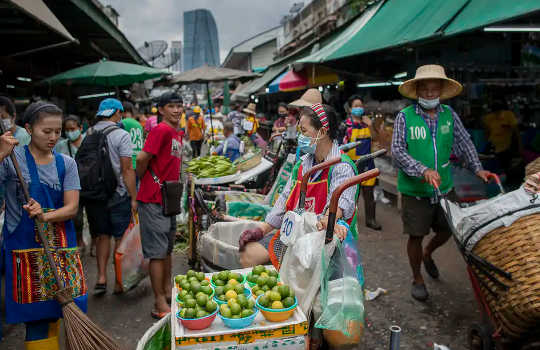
262, 334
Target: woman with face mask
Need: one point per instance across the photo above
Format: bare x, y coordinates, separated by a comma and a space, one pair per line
317, 139
359, 128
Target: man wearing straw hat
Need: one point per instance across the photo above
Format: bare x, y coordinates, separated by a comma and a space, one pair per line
426, 133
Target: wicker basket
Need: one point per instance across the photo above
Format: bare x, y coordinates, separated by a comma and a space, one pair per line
245, 164
514, 249
533, 167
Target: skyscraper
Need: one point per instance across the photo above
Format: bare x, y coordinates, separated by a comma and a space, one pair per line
176, 55
201, 45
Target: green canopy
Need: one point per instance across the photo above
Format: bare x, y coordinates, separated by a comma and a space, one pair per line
106, 73
479, 13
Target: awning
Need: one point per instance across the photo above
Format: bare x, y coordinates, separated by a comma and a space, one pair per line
40, 11
259, 83
321, 75
288, 81
479, 13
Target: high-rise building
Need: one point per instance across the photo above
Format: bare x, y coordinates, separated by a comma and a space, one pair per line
201, 45
176, 55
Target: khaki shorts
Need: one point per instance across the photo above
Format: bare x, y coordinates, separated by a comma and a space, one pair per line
420, 216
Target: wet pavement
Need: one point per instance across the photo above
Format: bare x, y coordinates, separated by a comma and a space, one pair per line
443, 319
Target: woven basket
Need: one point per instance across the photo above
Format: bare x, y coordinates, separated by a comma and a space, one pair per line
533, 167
249, 163
514, 249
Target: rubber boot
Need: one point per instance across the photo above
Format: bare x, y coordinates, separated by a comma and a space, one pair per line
369, 207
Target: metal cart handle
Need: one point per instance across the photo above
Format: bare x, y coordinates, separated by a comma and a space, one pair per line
355, 180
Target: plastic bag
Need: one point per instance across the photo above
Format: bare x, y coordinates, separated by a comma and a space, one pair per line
130, 265
342, 297
248, 211
157, 337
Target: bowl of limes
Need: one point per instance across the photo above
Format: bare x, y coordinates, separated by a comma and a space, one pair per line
224, 293
190, 277
261, 276
190, 290
277, 305
220, 279
197, 314
238, 312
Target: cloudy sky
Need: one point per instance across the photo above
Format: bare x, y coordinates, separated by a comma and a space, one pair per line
237, 20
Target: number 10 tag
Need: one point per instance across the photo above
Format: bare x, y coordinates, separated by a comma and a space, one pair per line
291, 228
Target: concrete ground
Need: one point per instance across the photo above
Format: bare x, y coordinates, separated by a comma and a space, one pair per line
443, 319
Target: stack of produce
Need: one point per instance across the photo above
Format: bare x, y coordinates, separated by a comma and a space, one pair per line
226, 277
262, 280
211, 166
278, 304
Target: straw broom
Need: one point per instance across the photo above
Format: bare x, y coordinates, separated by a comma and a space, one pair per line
81, 332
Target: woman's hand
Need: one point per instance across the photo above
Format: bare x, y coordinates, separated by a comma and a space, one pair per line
323, 223
7, 143
34, 209
339, 230
249, 236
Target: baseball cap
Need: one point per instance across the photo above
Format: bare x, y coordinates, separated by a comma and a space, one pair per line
108, 107
169, 97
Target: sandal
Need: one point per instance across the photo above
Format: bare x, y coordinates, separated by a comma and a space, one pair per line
100, 289
158, 315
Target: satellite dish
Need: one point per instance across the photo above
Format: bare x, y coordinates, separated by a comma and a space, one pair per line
153, 49
296, 7
166, 61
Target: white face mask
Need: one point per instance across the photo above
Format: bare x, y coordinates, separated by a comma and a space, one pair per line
7, 124
428, 104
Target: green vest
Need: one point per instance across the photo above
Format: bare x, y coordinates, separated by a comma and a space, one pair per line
135, 131
434, 153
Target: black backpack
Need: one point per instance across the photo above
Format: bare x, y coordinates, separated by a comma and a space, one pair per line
96, 173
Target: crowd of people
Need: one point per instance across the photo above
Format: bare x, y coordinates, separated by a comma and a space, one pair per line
117, 169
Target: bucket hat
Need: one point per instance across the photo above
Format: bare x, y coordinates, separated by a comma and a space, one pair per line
309, 98
450, 87
251, 108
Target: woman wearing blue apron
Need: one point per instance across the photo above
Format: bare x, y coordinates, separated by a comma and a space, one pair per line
54, 187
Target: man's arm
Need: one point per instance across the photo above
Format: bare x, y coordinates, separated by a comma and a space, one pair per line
143, 160
405, 162
128, 175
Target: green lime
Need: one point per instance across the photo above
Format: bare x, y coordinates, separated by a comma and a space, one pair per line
273, 273
259, 292
193, 279
252, 278
261, 281
220, 283
183, 294
183, 313
206, 290
200, 276
222, 297
275, 289
191, 273
205, 283
275, 296
265, 288
190, 313
283, 291
264, 301
179, 278
202, 300
223, 307
201, 313
195, 287
242, 301
272, 281
185, 285
215, 277
251, 304
223, 275
257, 270
236, 276
291, 293
246, 313
239, 289
220, 291
228, 287
288, 302
236, 309
190, 303
254, 289
235, 316
211, 306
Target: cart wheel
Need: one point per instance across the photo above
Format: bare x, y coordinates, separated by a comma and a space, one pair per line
480, 337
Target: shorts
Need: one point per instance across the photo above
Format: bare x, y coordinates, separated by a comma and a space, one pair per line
110, 218
419, 216
157, 231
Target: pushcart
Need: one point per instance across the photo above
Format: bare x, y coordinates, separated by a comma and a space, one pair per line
490, 281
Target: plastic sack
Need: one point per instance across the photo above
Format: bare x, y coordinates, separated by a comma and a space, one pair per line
238, 196
248, 211
302, 264
341, 297
130, 266
468, 187
350, 247
157, 337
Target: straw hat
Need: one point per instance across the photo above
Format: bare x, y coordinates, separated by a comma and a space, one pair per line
251, 108
450, 87
310, 97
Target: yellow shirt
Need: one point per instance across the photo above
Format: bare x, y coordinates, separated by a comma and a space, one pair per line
500, 126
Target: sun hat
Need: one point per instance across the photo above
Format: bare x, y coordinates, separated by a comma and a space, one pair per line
450, 87
108, 107
309, 98
251, 108
197, 109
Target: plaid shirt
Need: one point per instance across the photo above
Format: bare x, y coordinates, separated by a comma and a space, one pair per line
462, 147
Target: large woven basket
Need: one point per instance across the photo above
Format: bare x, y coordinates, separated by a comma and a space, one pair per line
514, 249
248, 162
533, 167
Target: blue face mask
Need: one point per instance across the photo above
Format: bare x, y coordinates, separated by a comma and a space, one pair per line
357, 111
304, 144
73, 135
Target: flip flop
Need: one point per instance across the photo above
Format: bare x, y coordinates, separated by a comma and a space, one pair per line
158, 315
100, 289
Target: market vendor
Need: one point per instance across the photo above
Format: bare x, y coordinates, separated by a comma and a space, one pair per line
53, 184
426, 133
250, 124
360, 129
230, 148
318, 140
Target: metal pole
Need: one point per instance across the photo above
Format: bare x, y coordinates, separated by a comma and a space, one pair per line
210, 108
395, 333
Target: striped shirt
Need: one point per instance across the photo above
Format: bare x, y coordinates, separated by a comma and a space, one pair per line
462, 146
340, 173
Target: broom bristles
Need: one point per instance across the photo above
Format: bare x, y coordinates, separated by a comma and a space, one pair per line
81, 332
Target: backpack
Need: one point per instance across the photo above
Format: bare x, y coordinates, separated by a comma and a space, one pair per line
96, 173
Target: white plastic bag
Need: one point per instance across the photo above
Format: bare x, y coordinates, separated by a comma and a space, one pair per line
130, 265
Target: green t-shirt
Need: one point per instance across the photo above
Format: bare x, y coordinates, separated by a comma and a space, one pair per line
135, 131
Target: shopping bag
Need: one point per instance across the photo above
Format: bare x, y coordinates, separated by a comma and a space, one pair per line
130, 265
341, 298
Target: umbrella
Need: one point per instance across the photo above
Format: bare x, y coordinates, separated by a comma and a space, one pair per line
288, 81
207, 74
106, 73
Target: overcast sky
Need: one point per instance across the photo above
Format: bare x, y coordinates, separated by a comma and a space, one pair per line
237, 20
